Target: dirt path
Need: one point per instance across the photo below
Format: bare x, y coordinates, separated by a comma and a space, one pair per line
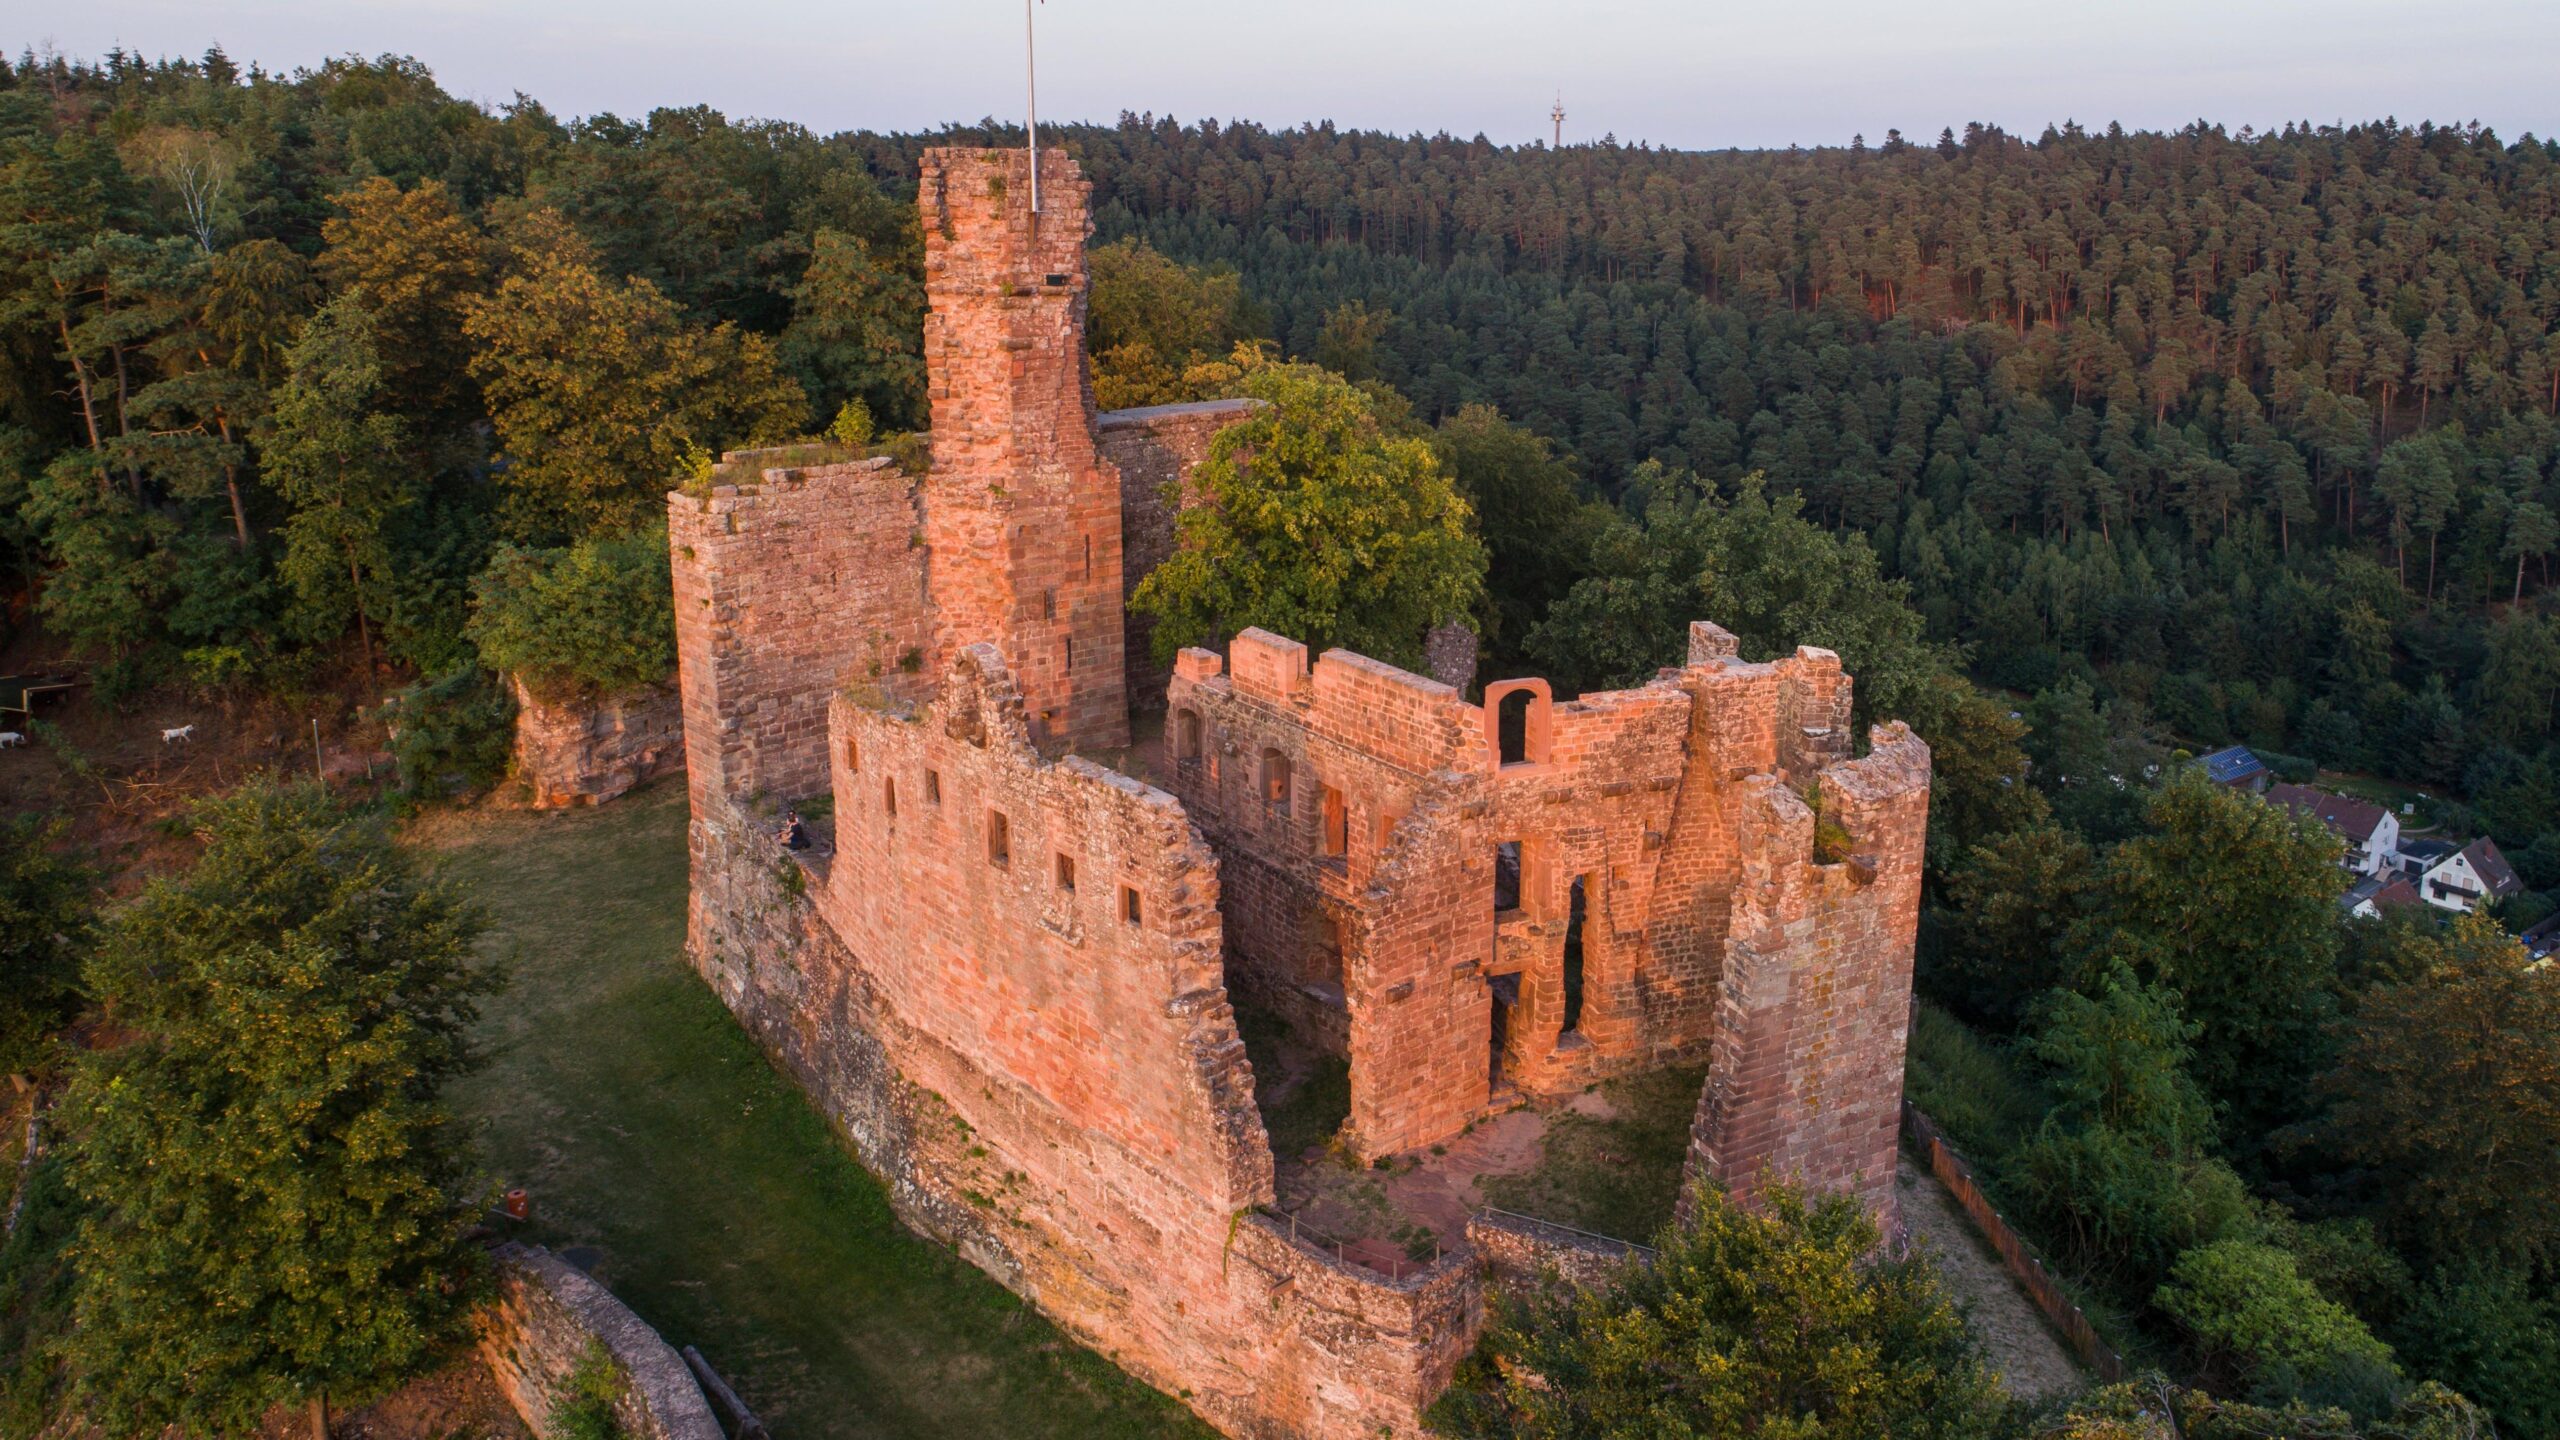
2032, 1361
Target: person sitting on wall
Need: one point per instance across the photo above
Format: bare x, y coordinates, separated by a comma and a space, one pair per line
794, 836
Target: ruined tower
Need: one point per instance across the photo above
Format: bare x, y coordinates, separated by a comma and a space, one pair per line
1022, 517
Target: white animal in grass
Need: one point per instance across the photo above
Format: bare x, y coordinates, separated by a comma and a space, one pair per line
11, 739
182, 732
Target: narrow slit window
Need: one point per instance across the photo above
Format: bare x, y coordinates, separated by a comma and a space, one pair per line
1066, 871
1088, 557
1130, 911
852, 755
933, 787
1071, 654
1048, 604
999, 839
889, 797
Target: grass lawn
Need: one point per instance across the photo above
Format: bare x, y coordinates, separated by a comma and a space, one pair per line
719, 1205
1616, 1174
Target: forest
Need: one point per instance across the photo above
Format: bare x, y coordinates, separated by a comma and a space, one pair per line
2089, 452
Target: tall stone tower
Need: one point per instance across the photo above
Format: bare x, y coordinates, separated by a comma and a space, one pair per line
1022, 517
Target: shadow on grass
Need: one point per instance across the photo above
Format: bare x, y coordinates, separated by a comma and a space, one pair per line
623, 1095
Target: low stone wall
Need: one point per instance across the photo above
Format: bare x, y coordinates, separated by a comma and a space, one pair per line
1520, 1252
549, 1317
585, 753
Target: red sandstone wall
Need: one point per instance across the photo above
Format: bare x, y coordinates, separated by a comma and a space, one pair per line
786, 589
1154, 449
1805, 1078
1059, 1094
1023, 517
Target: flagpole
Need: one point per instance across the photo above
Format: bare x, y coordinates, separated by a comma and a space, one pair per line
1031, 102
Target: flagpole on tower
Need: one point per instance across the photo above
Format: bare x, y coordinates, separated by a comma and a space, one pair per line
1031, 102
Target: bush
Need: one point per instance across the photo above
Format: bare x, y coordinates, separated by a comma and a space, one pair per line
2249, 1308
451, 734
595, 618
2292, 769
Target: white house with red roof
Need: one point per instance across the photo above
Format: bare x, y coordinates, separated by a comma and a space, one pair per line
2371, 832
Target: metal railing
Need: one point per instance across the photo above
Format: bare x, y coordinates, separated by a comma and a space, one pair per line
1363, 1253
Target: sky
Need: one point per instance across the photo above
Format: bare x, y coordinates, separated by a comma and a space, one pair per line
1672, 72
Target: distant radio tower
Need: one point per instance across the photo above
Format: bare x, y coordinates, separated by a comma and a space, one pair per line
1557, 115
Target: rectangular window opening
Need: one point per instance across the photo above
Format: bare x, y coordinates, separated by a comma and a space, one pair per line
1048, 604
1506, 877
1067, 873
852, 756
999, 839
1337, 823
933, 787
1573, 981
1130, 913
889, 797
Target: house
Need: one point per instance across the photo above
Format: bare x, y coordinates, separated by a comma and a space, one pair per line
2371, 832
2238, 767
2468, 878
2543, 940
2370, 896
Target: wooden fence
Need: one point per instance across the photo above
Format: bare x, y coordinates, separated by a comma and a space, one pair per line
2017, 1254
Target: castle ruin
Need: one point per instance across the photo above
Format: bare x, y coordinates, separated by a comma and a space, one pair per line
1008, 978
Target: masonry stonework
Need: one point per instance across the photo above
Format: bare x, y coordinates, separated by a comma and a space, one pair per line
1010, 978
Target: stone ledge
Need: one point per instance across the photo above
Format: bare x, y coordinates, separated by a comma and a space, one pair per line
547, 1317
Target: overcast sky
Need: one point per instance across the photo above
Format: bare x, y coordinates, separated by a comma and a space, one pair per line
1675, 72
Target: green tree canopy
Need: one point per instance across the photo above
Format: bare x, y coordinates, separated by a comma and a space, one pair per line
1753, 565
2448, 1089
593, 618
46, 909
1315, 523
276, 1195
1782, 1323
1152, 323
2232, 904
600, 390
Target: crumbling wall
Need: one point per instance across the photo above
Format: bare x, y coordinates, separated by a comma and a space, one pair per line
1046, 1078
1302, 779
585, 752
1804, 1083
786, 587
1155, 449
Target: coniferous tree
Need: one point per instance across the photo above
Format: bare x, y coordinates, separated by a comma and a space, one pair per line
276, 1190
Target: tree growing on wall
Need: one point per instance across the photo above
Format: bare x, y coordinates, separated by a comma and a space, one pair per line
276, 1191
1317, 523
